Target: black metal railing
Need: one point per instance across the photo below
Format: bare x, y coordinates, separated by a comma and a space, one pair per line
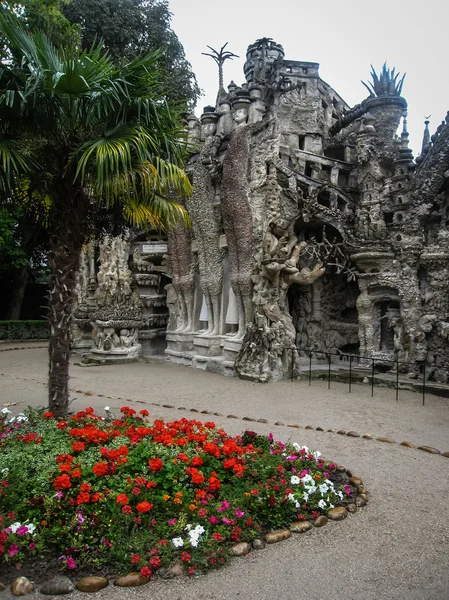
357, 359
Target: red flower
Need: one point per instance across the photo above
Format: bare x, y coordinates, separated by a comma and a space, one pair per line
96, 497
144, 507
100, 469
155, 464
83, 498
135, 559
62, 481
135, 491
85, 487
61, 425
127, 509
155, 562
122, 499
197, 477
76, 474
78, 446
48, 415
196, 461
185, 557
217, 536
144, 412
145, 572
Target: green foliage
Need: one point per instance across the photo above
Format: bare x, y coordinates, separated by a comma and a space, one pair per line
111, 128
46, 16
385, 84
130, 28
24, 330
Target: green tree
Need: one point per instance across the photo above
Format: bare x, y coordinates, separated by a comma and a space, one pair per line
129, 28
99, 133
45, 16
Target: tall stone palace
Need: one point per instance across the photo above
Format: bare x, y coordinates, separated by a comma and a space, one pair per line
313, 229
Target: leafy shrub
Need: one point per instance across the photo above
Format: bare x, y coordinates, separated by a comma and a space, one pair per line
23, 330
134, 494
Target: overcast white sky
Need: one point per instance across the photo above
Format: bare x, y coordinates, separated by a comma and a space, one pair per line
343, 36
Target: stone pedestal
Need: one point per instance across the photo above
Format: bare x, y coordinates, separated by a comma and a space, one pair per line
207, 345
180, 348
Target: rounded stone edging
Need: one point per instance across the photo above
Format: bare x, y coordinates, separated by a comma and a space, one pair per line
342, 432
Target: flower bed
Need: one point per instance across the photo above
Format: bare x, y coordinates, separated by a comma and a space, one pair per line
129, 494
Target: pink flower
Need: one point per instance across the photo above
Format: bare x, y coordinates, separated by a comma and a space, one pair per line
224, 505
71, 564
326, 474
59, 495
32, 546
213, 520
226, 521
291, 458
239, 513
13, 549
23, 530
172, 522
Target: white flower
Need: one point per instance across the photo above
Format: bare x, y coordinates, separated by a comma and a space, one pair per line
340, 495
324, 488
291, 498
107, 409
15, 526
199, 529
21, 417
5, 471
177, 542
294, 480
296, 446
311, 489
31, 528
306, 496
5, 411
307, 479
322, 504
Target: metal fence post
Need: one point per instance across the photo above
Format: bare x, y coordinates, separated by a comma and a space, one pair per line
372, 377
310, 367
397, 381
350, 373
424, 385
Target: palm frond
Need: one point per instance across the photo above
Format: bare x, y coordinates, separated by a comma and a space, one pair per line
13, 163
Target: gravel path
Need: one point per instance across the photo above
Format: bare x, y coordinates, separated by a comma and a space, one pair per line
396, 548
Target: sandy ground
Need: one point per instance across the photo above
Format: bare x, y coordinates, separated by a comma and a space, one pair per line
396, 548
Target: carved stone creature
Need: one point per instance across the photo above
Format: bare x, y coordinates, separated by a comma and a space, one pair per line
236, 213
205, 223
183, 276
278, 270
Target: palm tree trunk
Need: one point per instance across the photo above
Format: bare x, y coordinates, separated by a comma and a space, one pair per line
65, 249
18, 292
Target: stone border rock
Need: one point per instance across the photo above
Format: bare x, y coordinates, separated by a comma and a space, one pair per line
342, 432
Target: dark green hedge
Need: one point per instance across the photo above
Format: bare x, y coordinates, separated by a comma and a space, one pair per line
24, 330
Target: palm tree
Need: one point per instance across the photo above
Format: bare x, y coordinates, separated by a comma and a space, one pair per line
86, 131
220, 57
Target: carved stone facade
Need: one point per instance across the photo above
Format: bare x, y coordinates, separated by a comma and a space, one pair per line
313, 229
